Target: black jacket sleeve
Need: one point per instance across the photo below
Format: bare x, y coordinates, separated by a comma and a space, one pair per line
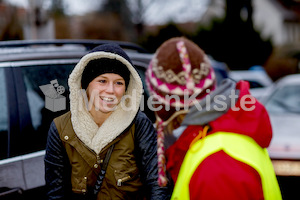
56, 164
146, 143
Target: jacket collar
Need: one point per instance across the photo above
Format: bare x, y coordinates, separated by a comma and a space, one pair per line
254, 123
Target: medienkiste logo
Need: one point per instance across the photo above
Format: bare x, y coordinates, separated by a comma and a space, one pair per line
54, 100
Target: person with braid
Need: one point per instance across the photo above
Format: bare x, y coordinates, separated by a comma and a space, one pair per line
211, 140
178, 70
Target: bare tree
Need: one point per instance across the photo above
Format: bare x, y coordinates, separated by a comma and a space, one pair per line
138, 9
57, 8
120, 9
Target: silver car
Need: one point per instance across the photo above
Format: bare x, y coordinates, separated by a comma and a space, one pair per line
258, 79
283, 104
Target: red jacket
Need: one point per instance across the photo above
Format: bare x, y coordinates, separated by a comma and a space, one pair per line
219, 176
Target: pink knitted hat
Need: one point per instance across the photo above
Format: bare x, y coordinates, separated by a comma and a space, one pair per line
178, 75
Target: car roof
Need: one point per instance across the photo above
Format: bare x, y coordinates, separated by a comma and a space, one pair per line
293, 79
253, 75
21, 50
87, 43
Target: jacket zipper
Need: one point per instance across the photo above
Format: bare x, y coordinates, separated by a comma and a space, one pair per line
122, 180
99, 161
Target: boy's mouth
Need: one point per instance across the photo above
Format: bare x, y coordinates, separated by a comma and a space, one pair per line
108, 99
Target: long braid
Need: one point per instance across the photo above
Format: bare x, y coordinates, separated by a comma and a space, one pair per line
162, 179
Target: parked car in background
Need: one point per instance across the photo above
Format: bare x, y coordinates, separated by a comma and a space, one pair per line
282, 101
257, 77
283, 104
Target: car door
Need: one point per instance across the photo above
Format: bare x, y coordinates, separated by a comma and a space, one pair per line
25, 119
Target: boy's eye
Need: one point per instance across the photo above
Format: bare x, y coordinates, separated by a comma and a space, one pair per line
119, 83
102, 81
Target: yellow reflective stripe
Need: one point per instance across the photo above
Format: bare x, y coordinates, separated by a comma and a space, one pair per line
246, 150
239, 147
190, 163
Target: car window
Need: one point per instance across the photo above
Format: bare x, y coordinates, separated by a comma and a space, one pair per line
3, 116
3, 102
285, 100
43, 84
44, 106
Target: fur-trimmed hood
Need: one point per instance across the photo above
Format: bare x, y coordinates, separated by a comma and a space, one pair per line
84, 126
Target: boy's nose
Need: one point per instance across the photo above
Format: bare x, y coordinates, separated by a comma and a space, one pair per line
110, 88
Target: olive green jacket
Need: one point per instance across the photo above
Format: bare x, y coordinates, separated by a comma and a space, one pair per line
122, 175
72, 168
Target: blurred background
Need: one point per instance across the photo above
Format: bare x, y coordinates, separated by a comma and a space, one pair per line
242, 33
256, 40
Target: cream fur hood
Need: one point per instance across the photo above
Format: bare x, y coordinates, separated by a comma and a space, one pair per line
84, 126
